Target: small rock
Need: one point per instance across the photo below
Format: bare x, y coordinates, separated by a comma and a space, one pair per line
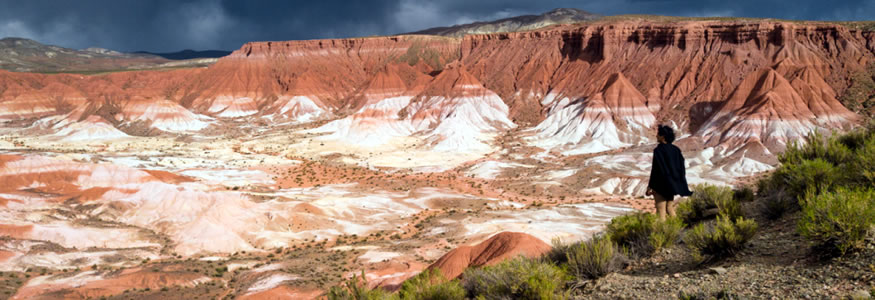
717, 270
860, 294
676, 275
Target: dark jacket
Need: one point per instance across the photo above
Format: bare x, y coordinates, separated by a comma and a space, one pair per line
668, 177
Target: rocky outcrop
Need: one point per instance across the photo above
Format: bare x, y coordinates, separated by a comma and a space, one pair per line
500, 247
616, 116
518, 23
584, 88
768, 109
323, 71
690, 64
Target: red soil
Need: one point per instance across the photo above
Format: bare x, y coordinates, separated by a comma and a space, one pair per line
496, 249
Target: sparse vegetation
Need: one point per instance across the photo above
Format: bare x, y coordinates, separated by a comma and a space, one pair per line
594, 258
518, 278
708, 201
830, 180
743, 194
838, 222
431, 285
725, 238
641, 234
860, 96
356, 288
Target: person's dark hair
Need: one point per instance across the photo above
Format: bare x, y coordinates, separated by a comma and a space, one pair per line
666, 132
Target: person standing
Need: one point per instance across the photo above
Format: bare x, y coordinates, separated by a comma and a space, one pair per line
668, 176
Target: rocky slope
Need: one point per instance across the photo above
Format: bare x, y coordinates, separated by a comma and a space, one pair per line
24, 55
518, 23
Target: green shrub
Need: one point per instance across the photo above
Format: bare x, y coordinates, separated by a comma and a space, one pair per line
558, 255
356, 288
431, 285
838, 222
855, 139
814, 146
665, 234
705, 200
723, 239
863, 167
743, 194
518, 278
777, 202
826, 163
641, 234
817, 174
594, 258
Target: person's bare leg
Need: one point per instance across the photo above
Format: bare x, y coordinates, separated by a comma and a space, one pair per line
660, 205
670, 206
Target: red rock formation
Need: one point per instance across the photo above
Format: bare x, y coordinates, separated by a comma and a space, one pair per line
458, 111
617, 115
329, 71
500, 247
766, 108
681, 63
683, 71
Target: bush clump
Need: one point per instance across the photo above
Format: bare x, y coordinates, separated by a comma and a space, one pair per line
518, 278
725, 238
558, 255
743, 194
431, 285
838, 222
817, 174
778, 203
830, 180
594, 258
824, 164
708, 201
641, 234
356, 288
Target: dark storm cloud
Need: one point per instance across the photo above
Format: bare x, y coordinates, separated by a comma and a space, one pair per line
170, 25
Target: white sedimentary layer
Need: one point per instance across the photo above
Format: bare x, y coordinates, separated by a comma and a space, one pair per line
490, 169
570, 222
233, 107
167, 116
590, 125
301, 109
464, 124
373, 125
628, 173
92, 129
270, 282
576, 128
461, 124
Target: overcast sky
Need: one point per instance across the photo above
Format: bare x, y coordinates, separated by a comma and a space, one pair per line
172, 25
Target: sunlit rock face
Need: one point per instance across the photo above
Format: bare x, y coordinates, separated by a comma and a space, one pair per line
390, 150
587, 125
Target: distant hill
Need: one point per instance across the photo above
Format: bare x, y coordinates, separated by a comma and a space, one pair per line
188, 54
519, 23
25, 55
